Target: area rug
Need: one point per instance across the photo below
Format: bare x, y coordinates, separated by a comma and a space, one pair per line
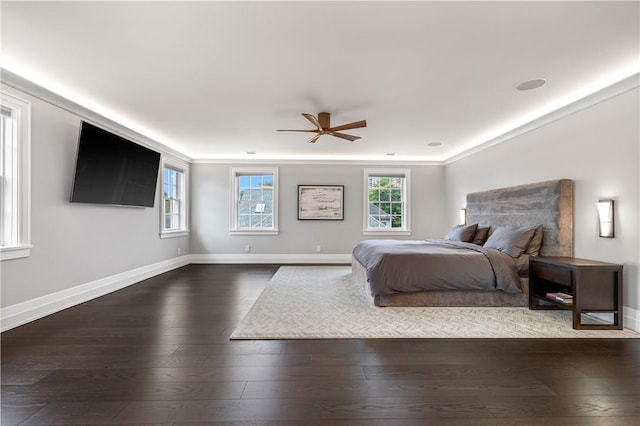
325, 302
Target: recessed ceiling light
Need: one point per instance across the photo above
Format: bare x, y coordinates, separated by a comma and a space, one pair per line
531, 84
435, 144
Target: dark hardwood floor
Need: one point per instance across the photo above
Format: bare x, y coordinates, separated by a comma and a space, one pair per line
158, 353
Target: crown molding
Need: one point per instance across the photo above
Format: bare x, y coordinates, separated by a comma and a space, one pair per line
312, 161
30, 88
19, 83
623, 86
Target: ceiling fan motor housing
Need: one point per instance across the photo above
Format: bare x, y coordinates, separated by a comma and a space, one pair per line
324, 118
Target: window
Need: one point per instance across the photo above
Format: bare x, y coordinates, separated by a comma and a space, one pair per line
386, 201
254, 201
14, 177
174, 202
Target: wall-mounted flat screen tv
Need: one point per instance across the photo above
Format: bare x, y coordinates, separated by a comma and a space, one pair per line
113, 170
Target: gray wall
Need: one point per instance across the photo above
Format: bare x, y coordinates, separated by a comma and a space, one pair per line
75, 244
598, 148
210, 210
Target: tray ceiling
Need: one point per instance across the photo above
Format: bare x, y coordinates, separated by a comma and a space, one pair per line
214, 80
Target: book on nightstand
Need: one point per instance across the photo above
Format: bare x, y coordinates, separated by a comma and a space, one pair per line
560, 297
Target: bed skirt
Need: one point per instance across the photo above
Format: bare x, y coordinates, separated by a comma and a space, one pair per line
470, 298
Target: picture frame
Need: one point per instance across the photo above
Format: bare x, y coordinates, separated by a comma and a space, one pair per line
320, 202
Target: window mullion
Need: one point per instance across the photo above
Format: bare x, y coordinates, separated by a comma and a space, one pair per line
386, 200
174, 192
10, 199
252, 191
15, 124
3, 180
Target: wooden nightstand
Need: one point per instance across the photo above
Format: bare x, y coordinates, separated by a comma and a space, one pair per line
595, 286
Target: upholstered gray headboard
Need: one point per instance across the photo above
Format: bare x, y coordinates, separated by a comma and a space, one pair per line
547, 203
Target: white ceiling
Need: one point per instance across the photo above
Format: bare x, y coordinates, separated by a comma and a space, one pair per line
216, 79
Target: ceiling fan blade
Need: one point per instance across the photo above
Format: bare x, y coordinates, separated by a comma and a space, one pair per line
354, 125
312, 119
290, 130
315, 138
344, 136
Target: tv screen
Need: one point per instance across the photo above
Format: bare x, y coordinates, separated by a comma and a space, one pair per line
113, 170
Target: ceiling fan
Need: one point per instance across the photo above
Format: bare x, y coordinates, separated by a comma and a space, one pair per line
323, 127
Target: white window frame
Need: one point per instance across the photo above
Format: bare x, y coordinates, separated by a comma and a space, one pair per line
233, 200
18, 160
406, 191
183, 197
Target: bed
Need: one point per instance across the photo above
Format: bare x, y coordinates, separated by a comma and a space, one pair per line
454, 273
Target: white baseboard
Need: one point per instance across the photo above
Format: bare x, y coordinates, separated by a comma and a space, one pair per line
631, 318
31, 310
272, 258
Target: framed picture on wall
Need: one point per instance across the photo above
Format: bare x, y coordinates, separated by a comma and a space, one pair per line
320, 202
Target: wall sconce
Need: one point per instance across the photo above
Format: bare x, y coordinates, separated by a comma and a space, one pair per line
463, 216
605, 217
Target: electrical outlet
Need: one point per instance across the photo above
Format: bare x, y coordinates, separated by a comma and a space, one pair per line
247, 248
318, 248
179, 251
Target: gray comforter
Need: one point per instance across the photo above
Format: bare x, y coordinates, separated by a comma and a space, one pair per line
394, 266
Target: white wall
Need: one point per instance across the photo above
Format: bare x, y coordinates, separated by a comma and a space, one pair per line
210, 210
598, 148
75, 244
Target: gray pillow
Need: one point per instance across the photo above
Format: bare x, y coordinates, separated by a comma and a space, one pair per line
481, 235
464, 233
536, 242
510, 240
